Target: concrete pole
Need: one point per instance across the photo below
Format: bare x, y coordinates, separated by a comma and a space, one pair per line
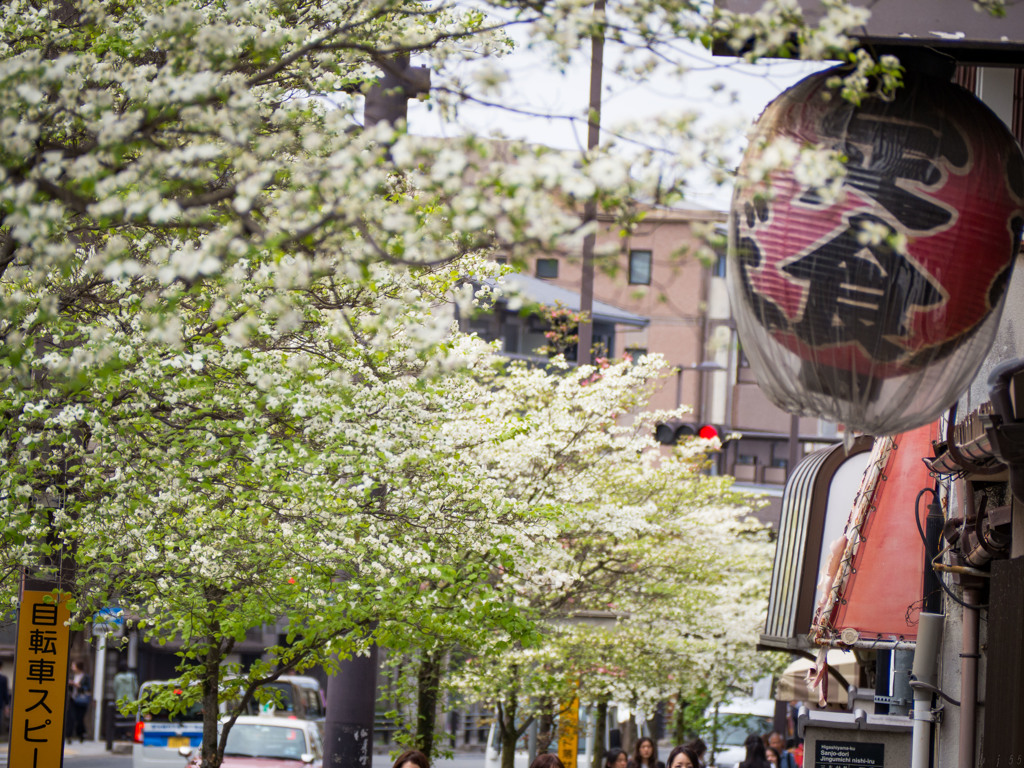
586, 326
351, 701
99, 678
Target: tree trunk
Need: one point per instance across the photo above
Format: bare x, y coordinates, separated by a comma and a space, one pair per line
600, 746
211, 705
629, 734
546, 731
509, 736
428, 681
679, 721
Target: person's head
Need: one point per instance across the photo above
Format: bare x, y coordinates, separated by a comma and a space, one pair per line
615, 758
754, 746
772, 755
698, 746
122, 665
547, 760
682, 757
776, 741
77, 666
646, 752
412, 758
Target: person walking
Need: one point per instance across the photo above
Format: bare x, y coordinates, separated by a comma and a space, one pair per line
776, 742
80, 694
411, 758
645, 755
699, 748
5, 703
126, 684
756, 753
683, 757
547, 760
616, 758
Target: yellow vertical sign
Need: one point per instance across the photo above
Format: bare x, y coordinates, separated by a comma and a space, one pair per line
568, 733
40, 681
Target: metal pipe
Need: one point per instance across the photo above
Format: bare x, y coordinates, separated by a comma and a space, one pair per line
961, 569
968, 678
933, 543
902, 693
929, 636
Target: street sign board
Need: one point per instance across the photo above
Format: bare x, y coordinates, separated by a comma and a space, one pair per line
40, 681
108, 621
849, 754
568, 729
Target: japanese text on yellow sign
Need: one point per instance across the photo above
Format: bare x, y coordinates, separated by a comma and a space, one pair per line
568, 728
40, 682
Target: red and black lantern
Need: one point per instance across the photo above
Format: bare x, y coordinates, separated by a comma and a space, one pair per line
876, 307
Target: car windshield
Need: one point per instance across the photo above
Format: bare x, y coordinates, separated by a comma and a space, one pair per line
734, 729
283, 742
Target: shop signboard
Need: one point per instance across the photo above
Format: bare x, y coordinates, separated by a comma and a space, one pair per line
40, 681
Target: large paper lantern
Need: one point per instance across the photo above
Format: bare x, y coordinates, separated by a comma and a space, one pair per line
875, 309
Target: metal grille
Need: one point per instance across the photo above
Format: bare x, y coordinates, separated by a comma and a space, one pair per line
1004, 679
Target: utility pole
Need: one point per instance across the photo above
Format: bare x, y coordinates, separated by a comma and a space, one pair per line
388, 99
352, 690
586, 327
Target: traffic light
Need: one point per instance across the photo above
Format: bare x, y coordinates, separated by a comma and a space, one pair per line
672, 431
708, 432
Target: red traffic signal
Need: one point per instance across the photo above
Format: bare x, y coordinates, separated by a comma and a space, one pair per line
672, 431
708, 432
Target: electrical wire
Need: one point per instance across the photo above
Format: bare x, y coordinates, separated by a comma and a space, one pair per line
924, 540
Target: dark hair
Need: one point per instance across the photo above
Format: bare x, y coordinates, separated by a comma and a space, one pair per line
547, 760
690, 755
612, 755
756, 755
412, 756
638, 760
698, 747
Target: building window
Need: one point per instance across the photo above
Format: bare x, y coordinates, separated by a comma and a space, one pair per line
547, 268
719, 269
640, 267
635, 353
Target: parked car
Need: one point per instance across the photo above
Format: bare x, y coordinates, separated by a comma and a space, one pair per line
296, 697
264, 741
159, 736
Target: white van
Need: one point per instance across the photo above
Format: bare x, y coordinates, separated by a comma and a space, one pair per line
733, 722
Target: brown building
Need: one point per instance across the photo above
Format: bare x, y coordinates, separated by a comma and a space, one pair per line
661, 289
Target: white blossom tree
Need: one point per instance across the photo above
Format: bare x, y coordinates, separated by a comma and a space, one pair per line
670, 556
229, 392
